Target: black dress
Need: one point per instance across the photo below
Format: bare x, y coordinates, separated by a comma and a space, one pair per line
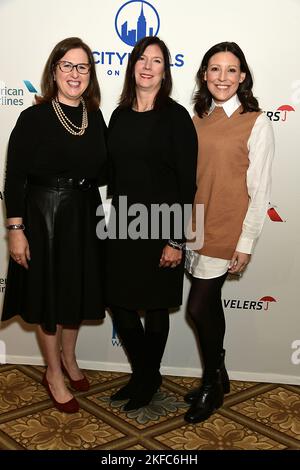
65, 279
153, 158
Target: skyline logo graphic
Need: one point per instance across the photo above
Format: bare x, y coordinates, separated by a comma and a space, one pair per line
136, 19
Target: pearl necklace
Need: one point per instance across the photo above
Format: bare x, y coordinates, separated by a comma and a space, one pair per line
65, 121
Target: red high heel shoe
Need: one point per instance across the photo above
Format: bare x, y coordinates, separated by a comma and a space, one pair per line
81, 385
71, 406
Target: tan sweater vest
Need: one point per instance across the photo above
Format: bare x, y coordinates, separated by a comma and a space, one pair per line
221, 178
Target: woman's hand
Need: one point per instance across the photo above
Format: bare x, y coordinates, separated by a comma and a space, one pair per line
238, 262
170, 257
18, 247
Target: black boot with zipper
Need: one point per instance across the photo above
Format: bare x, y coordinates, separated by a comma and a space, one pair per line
192, 396
209, 398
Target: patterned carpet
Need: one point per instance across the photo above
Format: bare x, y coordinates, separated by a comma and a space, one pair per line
254, 417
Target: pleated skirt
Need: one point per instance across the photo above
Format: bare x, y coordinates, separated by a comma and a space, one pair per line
65, 280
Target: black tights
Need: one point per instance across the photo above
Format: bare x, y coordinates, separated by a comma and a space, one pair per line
155, 320
206, 311
144, 346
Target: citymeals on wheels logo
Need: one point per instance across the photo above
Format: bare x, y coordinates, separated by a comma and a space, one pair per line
135, 20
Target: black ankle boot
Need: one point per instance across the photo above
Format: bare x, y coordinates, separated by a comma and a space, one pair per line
154, 346
144, 393
193, 394
129, 390
210, 398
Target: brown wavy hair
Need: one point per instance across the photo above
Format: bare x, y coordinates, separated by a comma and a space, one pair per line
203, 97
128, 95
49, 88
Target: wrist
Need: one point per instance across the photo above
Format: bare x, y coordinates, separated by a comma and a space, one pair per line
176, 245
13, 227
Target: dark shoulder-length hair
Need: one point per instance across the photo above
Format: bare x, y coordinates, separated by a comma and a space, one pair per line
203, 97
128, 95
48, 85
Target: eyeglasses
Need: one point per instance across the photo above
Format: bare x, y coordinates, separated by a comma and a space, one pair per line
68, 67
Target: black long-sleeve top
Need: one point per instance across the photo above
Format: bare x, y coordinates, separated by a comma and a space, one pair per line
40, 145
153, 156
153, 161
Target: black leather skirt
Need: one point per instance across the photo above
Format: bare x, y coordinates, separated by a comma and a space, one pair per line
65, 280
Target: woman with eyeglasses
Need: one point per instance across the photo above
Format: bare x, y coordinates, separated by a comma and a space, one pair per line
56, 161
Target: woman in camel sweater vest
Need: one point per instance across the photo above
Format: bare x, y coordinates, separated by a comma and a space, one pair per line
235, 152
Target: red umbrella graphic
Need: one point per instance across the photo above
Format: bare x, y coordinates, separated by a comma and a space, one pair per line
267, 299
274, 216
285, 108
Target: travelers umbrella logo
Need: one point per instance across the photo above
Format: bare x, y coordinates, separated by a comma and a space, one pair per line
281, 113
267, 299
285, 108
273, 214
135, 20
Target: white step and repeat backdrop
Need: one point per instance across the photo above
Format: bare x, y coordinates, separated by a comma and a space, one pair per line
262, 312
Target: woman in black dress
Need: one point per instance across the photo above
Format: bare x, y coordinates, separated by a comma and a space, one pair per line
152, 146
56, 161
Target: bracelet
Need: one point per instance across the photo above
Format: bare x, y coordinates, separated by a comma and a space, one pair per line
176, 245
16, 227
